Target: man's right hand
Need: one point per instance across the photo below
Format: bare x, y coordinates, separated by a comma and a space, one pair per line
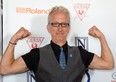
20, 34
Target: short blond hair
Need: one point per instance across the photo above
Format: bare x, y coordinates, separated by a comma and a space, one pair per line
60, 9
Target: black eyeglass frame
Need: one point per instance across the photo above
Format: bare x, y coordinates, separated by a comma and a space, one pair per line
56, 24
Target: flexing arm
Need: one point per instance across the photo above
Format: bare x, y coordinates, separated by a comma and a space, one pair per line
8, 64
105, 61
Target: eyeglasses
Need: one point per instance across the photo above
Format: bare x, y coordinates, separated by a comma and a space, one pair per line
58, 24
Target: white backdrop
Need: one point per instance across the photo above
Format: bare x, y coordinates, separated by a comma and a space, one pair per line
32, 14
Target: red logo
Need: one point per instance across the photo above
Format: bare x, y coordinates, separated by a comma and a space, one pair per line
34, 42
81, 10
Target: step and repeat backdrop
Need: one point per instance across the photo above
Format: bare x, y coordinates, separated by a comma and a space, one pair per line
32, 14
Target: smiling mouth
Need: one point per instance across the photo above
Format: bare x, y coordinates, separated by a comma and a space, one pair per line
60, 35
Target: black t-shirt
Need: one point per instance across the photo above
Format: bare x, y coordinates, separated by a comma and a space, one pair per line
32, 58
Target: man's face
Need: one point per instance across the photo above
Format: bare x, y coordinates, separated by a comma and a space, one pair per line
59, 26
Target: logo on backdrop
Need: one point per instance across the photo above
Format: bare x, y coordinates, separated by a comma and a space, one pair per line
83, 41
113, 77
31, 11
34, 42
81, 10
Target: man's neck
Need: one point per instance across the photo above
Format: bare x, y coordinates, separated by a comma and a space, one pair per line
61, 43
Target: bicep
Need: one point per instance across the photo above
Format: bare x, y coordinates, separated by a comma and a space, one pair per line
18, 66
97, 63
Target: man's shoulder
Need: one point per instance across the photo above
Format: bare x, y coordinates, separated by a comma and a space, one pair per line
39, 48
47, 45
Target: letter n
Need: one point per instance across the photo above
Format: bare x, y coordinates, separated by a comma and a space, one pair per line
82, 41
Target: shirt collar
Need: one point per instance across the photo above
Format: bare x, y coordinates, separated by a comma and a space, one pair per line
57, 47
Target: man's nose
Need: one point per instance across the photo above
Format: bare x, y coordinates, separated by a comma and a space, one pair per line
60, 28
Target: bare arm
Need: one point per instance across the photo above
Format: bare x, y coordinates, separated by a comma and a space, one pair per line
8, 64
106, 60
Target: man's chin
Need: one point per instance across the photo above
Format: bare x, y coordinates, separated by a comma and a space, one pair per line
61, 39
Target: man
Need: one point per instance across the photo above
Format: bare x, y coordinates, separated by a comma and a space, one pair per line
45, 61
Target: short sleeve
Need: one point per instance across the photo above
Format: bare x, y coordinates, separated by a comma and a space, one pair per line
86, 56
32, 59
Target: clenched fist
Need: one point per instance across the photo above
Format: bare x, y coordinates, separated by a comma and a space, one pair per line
20, 34
95, 32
